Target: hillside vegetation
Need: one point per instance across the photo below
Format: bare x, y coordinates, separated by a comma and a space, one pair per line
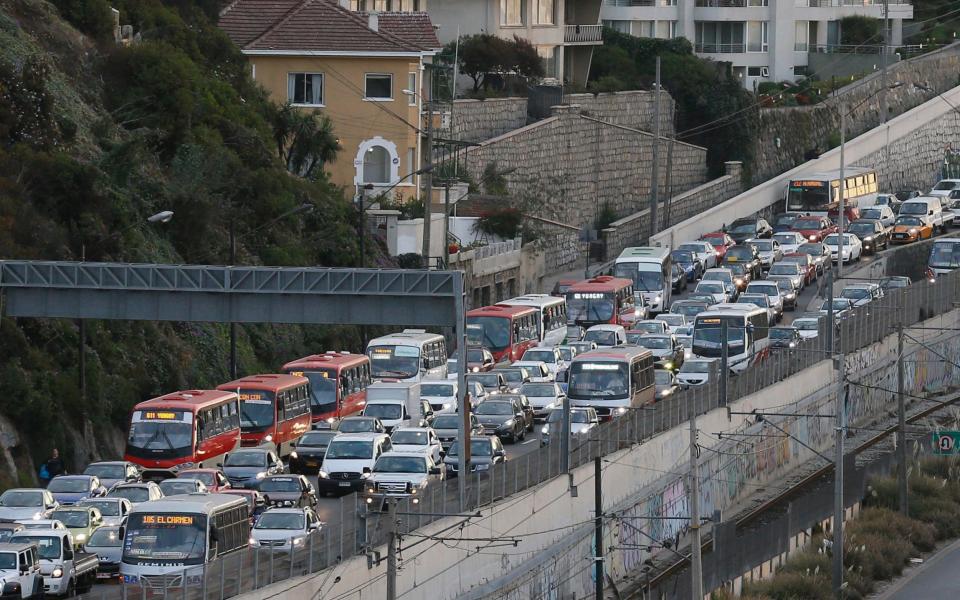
94, 138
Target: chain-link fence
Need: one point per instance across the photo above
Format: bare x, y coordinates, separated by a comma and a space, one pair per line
361, 526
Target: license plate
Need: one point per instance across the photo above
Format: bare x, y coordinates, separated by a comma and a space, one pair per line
311, 463
732, 259
344, 484
103, 576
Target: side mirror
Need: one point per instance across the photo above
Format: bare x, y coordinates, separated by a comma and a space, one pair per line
214, 535
121, 531
434, 470
366, 470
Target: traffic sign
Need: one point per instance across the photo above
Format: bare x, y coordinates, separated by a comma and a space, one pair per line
946, 442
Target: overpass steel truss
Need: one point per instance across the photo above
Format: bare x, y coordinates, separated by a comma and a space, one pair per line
154, 292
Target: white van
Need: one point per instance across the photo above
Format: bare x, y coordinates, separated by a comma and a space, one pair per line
944, 187
929, 210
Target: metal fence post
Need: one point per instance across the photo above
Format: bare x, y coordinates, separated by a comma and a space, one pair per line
272, 553
204, 590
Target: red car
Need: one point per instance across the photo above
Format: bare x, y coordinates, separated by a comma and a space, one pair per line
852, 213
806, 261
215, 481
720, 242
814, 228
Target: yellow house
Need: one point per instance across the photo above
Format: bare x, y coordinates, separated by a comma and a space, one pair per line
365, 71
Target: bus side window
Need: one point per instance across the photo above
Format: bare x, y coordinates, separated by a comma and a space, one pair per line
234, 416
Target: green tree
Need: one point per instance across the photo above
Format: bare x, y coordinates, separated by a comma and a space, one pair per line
92, 17
858, 29
483, 54
305, 140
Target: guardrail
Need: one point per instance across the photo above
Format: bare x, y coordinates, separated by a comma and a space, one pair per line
359, 530
583, 34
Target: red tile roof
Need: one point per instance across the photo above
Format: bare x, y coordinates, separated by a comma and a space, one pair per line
323, 25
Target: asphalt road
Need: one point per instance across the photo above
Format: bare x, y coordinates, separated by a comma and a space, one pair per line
935, 579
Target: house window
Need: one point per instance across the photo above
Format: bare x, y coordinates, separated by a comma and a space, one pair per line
756, 36
800, 36
720, 36
406, 5
511, 12
380, 6
305, 88
756, 71
411, 160
644, 28
549, 56
621, 26
378, 86
666, 29
412, 86
544, 13
376, 165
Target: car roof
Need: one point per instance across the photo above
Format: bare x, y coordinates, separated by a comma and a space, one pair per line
406, 454
111, 462
251, 450
362, 417
363, 436
80, 476
423, 429
297, 510
15, 547
24, 490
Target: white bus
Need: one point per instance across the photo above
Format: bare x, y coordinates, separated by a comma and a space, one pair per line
818, 193
944, 256
649, 269
552, 327
747, 335
167, 542
410, 355
612, 380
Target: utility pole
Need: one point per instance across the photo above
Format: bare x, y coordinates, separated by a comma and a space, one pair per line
565, 436
83, 350
392, 549
598, 527
883, 61
724, 359
428, 184
843, 184
901, 425
446, 223
696, 566
838, 456
655, 176
233, 326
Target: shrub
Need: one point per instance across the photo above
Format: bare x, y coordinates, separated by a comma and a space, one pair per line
859, 29
92, 17
792, 586
606, 216
504, 223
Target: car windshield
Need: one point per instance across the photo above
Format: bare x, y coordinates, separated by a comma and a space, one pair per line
104, 537
315, 439
481, 447
838, 304
246, 459
538, 390
811, 249
48, 547
107, 508
601, 337
862, 229
695, 248
758, 299
806, 324
207, 479
855, 293
654, 343
806, 224
662, 377
384, 411
400, 464
510, 376
447, 422
765, 288
172, 487
675, 320
475, 355
945, 255
762, 245
785, 219
106, 471
576, 416
913, 208
682, 256
908, 221
785, 286
409, 437
870, 213
834, 240
494, 408
546, 356
349, 425
281, 520
710, 287
280, 484
695, 366
134, 494
781, 333
436, 389
784, 269
739, 253
566, 354
687, 310
68, 485
350, 449
12, 498
945, 185
72, 518
747, 227
785, 238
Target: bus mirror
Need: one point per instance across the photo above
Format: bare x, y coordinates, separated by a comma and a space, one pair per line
214, 535
121, 531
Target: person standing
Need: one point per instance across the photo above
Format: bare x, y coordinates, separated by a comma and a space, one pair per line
54, 466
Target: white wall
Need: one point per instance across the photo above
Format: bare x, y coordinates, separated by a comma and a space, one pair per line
410, 236
772, 191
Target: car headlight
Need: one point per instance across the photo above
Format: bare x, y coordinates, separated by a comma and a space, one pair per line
793, 344
58, 572
869, 238
738, 281
913, 231
665, 393
813, 238
621, 410
791, 296
508, 423
261, 475
658, 298
668, 365
475, 369
447, 406
268, 438
323, 475
293, 454
297, 541
81, 537
37, 516
636, 312
544, 430
252, 542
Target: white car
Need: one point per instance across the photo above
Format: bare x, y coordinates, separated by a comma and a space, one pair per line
673, 321
704, 251
769, 250
403, 474
27, 504
606, 335
543, 397
422, 440
789, 241
771, 290
441, 394
282, 529
113, 510
549, 355
695, 371
852, 246
539, 371
809, 327
944, 187
717, 289
762, 301
882, 213
582, 421
861, 293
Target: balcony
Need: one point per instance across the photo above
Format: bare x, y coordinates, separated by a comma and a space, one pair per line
583, 34
730, 3
839, 3
720, 48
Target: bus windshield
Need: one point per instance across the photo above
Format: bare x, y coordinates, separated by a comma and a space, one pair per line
323, 391
945, 255
165, 538
601, 380
256, 410
644, 281
708, 337
601, 337
808, 195
160, 439
590, 307
394, 361
496, 331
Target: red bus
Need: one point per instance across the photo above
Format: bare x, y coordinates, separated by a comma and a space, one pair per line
338, 383
274, 409
603, 299
183, 430
506, 331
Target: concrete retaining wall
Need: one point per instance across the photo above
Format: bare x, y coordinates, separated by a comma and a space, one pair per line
912, 145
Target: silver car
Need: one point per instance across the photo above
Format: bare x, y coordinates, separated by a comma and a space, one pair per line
106, 544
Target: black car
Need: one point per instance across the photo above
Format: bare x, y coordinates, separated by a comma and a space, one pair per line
789, 293
308, 451
288, 491
502, 418
690, 263
784, 337
525, 405
678, 278
744, 254
872, 233
447, 427
485, 452
896, 282
491, 381
784, 221
742, 230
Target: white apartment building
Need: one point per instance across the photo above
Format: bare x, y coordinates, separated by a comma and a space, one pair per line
764, 40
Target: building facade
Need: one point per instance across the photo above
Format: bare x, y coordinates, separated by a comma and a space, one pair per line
764, 40
365, 71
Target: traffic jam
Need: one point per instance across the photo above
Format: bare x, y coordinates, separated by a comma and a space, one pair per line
209, 472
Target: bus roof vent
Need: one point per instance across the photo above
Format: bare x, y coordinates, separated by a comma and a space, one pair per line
345, 352
414, 331
330, 352
601, 279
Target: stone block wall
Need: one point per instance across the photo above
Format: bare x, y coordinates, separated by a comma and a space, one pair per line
634, 229
570, 166
787, 134
479, 120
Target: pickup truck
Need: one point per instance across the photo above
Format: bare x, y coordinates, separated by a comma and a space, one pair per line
930, 210
65, 571
20, 571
